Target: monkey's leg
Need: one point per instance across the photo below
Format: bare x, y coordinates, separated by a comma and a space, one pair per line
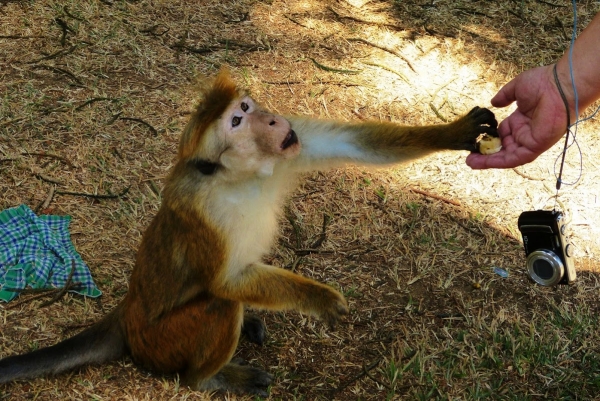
254, 329
233, 377
275, 288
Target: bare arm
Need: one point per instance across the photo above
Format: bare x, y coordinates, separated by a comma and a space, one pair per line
540, 118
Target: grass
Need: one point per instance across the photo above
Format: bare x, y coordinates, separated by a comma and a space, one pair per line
411, 247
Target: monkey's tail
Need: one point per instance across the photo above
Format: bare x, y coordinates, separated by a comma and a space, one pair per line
102, 342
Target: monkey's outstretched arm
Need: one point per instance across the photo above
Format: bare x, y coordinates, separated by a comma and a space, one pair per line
333, 143
271, 287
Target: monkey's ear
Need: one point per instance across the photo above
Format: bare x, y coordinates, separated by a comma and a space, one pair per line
205, 167
215, 97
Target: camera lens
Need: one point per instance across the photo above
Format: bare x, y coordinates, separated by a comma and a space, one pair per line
545, 267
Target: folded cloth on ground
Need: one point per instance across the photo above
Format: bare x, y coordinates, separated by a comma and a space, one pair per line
37, 251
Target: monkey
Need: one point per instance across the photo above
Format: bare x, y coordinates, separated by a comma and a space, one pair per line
199, 262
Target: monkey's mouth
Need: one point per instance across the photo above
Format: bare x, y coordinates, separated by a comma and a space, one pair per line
290, 139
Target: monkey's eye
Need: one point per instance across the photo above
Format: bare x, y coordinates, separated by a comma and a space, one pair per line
235, 121
244, 106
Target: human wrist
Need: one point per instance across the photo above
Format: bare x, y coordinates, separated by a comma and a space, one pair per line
563, 83
587, 83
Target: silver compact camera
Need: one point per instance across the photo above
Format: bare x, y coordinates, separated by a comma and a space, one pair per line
548, 253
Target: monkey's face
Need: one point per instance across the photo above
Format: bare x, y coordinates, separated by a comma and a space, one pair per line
254, 139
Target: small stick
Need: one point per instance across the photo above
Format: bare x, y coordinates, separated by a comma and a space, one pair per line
44, 205
437, 113
434, 196
66, 287
49, 179
363, 373
92, 100
21, 36
387, 49
324, 67
323, 235
59, 53
95, 196
139, 120
61, 158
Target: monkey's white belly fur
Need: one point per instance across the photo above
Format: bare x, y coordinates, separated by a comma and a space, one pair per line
248, 212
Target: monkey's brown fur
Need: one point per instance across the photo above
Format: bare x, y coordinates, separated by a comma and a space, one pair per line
199, 260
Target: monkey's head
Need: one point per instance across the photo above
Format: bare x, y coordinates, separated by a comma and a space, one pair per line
231, 135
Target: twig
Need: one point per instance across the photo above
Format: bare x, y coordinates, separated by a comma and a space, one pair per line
527, 176
295, 21
384, 48
52, 156
59, 53
224, 44
283, 82
437, 112
362, 21
13, 121
92, 100
64, 289
59, 71
402, 76
551, 4
471, 11
434, 196
139, 120
562, 28
21, 36
469, 229
323, 235
65, 30
243, 18
324, 67
44, 205
153, 30
66, 10
95, 196
363, 373
368, 374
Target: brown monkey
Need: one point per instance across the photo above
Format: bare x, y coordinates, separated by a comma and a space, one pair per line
199, 261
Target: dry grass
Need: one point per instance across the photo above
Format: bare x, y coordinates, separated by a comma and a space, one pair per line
107, 85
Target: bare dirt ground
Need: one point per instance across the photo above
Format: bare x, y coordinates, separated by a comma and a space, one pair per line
93, 97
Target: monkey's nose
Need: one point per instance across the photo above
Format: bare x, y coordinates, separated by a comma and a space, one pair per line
272, 122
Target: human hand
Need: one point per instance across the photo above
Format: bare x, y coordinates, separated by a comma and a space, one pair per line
538, 122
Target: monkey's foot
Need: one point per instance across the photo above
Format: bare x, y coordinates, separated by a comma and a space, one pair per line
239, 379
254, 329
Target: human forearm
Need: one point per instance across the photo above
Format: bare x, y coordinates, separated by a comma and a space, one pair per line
586, 68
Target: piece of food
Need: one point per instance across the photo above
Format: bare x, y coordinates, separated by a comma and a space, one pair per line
489, 144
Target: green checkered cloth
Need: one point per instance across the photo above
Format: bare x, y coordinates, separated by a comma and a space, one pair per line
37, 251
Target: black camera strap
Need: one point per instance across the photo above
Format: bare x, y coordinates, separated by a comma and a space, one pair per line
564, 152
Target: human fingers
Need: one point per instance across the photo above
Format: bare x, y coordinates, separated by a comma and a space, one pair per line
506, 95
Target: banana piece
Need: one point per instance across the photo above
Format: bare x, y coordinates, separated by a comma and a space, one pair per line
489, 145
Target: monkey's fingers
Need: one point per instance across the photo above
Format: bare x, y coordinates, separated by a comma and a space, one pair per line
485, 120
334, 311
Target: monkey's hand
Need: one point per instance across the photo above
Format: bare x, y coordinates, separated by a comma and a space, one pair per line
330, 305
471, 127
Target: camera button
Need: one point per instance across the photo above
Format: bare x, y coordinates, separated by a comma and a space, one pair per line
568, 250
563, 229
